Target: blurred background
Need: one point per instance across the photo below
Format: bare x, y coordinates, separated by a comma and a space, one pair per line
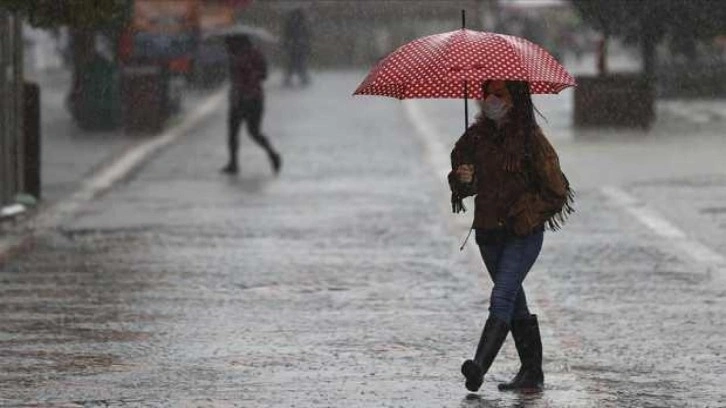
128, 66
133, 273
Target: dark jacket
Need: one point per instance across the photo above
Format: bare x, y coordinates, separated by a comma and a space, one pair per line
248, 69
518, 183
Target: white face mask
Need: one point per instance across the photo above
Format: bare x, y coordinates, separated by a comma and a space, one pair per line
494, 108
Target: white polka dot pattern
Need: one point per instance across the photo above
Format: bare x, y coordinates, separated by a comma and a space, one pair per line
437, 66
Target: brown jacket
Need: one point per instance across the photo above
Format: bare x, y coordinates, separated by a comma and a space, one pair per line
518, 183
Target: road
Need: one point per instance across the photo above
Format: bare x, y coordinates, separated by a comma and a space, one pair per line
340, 282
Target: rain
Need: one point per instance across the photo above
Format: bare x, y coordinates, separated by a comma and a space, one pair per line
248, 203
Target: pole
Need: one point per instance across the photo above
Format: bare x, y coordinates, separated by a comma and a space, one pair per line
31, 140
19, 149
7, 102
466, 90
466, 106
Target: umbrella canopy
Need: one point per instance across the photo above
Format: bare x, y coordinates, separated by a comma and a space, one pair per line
457, 63
255, 33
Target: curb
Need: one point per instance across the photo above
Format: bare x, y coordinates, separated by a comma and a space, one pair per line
698, 112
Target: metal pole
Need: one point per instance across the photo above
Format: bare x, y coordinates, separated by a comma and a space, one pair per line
466, 105
466, 86
11, 132
6, 179
18, 122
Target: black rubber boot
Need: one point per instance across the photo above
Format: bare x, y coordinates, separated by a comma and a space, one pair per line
492, 338
230, 168
275, 161
530, 377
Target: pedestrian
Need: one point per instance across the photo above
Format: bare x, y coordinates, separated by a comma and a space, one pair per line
296, 41
505, 160
248, 69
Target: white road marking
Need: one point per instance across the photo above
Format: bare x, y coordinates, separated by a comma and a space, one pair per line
715, 262
436, 153
645, 215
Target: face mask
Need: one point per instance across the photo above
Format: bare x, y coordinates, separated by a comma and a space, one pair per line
494, 108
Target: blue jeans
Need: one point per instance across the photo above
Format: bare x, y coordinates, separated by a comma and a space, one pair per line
508, 261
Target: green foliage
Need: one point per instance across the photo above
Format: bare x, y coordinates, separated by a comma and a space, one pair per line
82, 14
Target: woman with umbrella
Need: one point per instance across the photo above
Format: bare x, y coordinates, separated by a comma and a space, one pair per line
248, 69
503, 159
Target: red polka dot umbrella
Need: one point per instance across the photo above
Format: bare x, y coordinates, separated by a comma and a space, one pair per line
457, 63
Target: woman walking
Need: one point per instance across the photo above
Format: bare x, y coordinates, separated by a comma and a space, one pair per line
505, 160
248, 69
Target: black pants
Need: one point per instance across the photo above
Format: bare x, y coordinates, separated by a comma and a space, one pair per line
251, 110
297, 64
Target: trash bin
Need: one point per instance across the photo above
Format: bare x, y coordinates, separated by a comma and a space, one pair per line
144, 90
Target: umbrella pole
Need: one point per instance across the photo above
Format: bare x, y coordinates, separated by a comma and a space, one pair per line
466, 105
466, 90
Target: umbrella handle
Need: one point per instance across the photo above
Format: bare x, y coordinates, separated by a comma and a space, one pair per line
466, 105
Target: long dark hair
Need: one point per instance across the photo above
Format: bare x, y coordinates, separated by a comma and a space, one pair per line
522, 106
522, 114
521, 120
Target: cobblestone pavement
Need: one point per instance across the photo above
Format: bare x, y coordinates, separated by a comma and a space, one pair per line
341, 283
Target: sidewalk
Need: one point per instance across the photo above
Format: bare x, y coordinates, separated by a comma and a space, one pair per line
71, 156
697, 111
68, 157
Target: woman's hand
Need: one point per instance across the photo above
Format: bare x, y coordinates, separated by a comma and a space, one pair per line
465, 173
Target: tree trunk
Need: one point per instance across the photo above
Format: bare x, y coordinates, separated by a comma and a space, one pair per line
652, 31
489, 15
82, 44
602, 55
649, 57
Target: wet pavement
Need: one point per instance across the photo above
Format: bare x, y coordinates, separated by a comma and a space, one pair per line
340, 282
70, 154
